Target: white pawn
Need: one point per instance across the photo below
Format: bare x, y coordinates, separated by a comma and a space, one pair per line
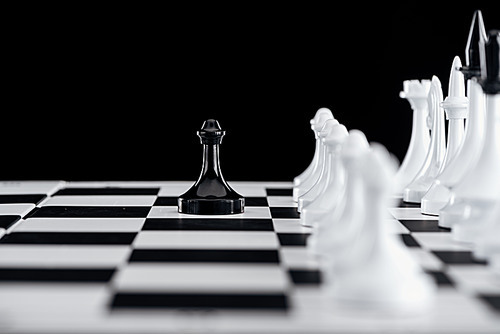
456, 107
316, 189
333, 185
348, 241
302, 176
416, 92
309, 181
486, 240
435, 156
377, 272
341, 218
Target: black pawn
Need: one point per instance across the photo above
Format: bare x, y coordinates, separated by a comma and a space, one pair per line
211, 195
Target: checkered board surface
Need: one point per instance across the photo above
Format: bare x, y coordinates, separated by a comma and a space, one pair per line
117, 257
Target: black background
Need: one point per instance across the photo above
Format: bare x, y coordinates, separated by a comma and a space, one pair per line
118, 93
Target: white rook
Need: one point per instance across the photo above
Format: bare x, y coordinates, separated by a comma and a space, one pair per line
416, 93
437, 148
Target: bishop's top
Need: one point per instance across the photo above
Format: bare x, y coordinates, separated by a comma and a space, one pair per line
490, 63
477, 33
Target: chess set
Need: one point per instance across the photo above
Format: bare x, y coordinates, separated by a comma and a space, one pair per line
118, 257
356, 243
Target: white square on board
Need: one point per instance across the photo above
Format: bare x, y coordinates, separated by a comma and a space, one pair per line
206, 240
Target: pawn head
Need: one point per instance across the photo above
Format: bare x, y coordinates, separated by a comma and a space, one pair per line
336, 136
211, 132
380, 166
327, 127
320, 121
355, 144
321, 111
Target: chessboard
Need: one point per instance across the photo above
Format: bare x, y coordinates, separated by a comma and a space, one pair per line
117, 257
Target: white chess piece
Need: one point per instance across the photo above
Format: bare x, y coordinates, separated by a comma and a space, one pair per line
309, 181
435, 156
464, 164
486, 242
342, 216
456, 106
377, 272
302, 176
474, 127
310, 195
334, 182
473, 199
416, 92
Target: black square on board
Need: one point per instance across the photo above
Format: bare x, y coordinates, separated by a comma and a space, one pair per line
8, 220
493, 301
111, 191
205, 255
440, 278
293, 239
256, 201
423, 225
69, 238
409, 240
279, 192
304, 276
279, 212
12, 199
91, 211
209, 301
55, 275
165, 201
403, 204
204, 224
457, 257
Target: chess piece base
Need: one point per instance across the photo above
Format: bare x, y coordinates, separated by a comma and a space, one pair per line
203, 206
